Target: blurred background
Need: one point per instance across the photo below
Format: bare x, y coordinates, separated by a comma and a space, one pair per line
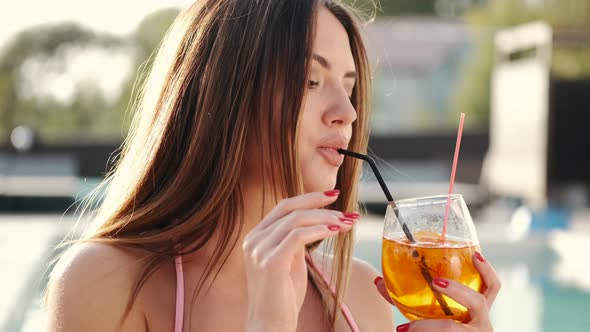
518, 69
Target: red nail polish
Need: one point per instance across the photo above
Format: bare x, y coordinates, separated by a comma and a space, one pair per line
378, 279
332, 193
479, 257
347, 221
333, 227
352, 215
403, 327
440, 282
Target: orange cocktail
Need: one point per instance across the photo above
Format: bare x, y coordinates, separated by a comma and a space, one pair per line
408, 268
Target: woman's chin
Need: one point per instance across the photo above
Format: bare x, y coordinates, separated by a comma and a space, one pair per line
320, 183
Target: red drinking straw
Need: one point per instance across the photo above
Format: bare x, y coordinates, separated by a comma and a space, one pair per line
453, 171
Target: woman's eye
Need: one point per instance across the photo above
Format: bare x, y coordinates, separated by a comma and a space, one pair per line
313, 84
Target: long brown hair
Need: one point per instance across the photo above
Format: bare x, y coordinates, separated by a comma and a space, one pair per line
213, 88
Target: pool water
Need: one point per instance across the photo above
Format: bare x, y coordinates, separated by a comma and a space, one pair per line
541, 292
533, 298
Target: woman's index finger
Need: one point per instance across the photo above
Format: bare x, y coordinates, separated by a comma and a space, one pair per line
313, 200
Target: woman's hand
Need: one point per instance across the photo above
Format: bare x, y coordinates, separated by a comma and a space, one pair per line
274, 253
478, 304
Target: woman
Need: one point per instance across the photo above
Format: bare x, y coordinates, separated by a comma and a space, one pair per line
225, 186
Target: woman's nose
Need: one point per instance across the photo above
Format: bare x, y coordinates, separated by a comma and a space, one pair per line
341, 112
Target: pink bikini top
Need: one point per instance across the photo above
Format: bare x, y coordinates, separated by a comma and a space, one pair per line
178, 322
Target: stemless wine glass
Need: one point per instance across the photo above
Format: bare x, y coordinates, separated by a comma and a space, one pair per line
409, 267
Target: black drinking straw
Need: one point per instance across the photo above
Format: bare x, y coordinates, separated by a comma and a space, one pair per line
422, 264
383, 187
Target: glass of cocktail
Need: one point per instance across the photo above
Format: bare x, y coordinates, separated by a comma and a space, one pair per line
410, 264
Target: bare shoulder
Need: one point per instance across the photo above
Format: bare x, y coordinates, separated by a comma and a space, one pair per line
371, 310
89, 289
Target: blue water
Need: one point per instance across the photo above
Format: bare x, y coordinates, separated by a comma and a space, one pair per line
531, 299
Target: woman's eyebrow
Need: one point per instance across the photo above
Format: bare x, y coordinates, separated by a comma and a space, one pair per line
326, 64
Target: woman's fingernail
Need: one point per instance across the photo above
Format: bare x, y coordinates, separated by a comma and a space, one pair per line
352, 215
440, 282
332, 193
479, 257
403, 327
333, 227
377, 280
347, 221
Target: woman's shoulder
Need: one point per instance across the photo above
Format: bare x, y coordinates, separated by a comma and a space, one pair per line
369, 309
360, 271
89, 288
95, 263
372, 311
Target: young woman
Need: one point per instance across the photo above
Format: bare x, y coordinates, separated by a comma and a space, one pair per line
226, 185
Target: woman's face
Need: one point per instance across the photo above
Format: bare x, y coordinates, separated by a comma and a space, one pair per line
327, 112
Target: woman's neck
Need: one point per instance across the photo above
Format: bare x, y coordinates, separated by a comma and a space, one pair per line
257, 202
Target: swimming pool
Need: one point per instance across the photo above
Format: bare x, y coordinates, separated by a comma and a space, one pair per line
542, 289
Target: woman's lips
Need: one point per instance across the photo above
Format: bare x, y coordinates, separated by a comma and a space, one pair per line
332, 156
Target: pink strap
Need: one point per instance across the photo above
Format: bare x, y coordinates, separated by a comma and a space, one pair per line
345, 310
179, 295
